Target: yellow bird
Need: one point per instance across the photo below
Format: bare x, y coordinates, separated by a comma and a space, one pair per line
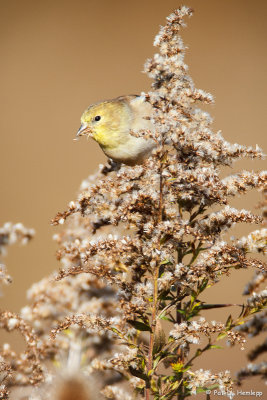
110, 124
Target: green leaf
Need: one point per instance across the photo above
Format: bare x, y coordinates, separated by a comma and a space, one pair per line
198, 352
187, 368
175, 385
205, 306
203, 285
229, 322
138, 373
154, 388
164, 262
197, 305
165, 295
159, 382
157, 360
221, 336
201, 390
140, 326
165, 318
193, 296
116, 331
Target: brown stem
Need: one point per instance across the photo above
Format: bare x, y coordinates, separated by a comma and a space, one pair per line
153, 325
180, 354
155, 294
147, 390
160, 196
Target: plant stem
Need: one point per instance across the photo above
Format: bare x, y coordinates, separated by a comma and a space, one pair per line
180, 354
155, 292
153, 325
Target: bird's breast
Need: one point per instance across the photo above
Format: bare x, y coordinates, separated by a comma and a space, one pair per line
131, 152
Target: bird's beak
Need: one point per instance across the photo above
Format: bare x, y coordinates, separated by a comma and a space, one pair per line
84, 130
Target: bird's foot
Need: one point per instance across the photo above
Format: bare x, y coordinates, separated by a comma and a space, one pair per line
113, 166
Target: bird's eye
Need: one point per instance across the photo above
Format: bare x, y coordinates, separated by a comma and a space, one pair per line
97, 118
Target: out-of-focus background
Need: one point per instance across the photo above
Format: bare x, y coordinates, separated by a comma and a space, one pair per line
59, 56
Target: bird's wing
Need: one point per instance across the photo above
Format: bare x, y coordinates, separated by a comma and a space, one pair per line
128, 97
142, 112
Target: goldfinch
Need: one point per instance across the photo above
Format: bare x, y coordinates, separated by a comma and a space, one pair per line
110, 124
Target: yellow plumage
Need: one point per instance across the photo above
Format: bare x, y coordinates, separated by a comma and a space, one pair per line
110, 124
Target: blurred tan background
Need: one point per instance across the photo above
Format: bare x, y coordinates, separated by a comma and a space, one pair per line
57, 57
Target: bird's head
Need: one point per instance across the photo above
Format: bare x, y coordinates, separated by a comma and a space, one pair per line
105, 121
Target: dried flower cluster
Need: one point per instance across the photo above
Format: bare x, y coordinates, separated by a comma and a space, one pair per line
256, 242
140, 246
10, 234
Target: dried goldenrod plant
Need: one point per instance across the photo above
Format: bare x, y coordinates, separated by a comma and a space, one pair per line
10, 234
256, 242
140, 247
